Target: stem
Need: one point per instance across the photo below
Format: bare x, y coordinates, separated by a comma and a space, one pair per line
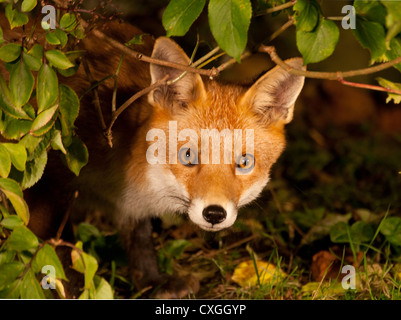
96, 100
326, 75
137, 55
368, 86
127, 103
284, 27
277, 8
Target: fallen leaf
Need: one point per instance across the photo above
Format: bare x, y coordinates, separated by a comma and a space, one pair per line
245, 273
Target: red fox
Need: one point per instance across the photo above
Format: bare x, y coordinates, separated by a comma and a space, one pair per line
163, 157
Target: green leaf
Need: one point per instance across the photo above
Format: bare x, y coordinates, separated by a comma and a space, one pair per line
229, 22
18, 155
11, 222
36, 51
57, 142
14, 17
1, 36
69, 106
9, 272
393, 12
34, 170
370, 10
307, 15
58, 59
338, 233
30, 287
51, 38
28, 5
180, 15
84, 263
22, 239
46, 87
32, 62
5, 162
10, 52
320, 44
103, 289
12, 290
390, 85
137, 39
48, 256
43, 118
86, 232
371, 36
395, 51
77, 155
68, 22
14, 193
21, 84
361, 232
391, 228
6, 102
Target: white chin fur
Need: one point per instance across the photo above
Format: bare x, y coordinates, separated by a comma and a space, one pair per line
196, 216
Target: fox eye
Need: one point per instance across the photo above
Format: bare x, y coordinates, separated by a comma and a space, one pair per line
245, 163
187, 157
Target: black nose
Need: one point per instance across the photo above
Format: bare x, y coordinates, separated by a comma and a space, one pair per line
214, 214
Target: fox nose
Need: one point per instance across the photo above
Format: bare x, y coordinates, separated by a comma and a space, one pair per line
214, 214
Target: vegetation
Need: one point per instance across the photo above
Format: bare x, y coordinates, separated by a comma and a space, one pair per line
333, 199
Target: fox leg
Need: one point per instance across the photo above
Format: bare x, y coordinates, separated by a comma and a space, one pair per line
143, 265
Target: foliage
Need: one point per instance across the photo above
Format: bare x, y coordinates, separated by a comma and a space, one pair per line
38, 112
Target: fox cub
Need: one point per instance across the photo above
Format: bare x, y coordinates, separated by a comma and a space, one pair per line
196, 147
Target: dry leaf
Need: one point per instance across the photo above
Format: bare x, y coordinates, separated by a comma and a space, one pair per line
245, 274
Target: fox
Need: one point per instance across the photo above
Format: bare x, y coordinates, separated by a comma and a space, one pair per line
157, 163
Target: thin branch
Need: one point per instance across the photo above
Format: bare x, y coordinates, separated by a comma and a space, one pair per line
66, 216
96, 100
368, 86
326, 75
277, 8
127, 103
137, 55
284, 27
232, 61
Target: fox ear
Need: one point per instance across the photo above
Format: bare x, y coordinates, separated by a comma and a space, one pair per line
273, 95
189, 88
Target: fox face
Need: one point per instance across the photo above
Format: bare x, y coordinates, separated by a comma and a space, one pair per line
210, 146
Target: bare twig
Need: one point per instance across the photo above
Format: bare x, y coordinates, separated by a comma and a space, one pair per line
277, 8
284, 27
368, 86
137, 55
66, 216
96, 100
326, 75
127, 103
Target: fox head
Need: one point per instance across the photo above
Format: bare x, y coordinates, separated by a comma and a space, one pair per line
211, 145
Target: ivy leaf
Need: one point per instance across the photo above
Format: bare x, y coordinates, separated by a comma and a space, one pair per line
180, 15
46, 87
320, 44
371, 36
58, 59
229, 22
307, 15
21, 83
14, 193
10, 52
